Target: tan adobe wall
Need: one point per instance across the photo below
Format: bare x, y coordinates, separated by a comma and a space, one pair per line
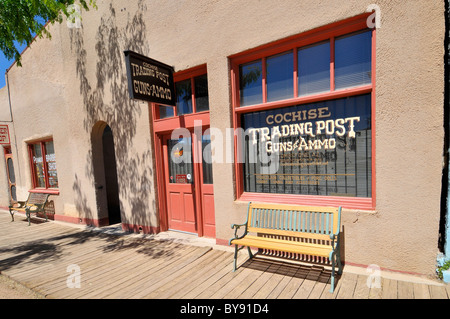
78, 78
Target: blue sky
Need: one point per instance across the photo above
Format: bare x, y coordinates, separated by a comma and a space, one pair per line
5, 64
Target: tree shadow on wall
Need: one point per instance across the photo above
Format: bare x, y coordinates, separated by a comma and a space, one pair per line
107, 100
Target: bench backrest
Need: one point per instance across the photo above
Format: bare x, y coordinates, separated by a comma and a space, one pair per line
37, 198
287, 220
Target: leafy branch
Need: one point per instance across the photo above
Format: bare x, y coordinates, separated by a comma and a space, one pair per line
23, 20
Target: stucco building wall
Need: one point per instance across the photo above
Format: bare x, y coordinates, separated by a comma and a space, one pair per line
78, 78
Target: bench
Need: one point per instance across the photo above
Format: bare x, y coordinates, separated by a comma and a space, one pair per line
312, 231
34, 204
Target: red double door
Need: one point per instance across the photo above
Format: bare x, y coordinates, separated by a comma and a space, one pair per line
189, 184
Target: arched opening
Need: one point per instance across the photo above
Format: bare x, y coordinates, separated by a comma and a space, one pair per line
105, 174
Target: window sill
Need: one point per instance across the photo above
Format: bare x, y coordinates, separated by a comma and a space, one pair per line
359, 203
44, 191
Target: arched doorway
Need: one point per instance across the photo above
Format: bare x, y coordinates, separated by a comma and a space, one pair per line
105, 174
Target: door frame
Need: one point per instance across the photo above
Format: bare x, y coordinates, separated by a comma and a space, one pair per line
7, 151
162, 178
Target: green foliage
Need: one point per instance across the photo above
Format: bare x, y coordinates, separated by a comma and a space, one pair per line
21, 20
440, 269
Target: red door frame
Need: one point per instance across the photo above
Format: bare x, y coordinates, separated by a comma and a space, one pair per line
8, 155
199, 187
164, 127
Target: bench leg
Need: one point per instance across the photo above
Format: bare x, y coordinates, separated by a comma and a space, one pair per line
28, 217
235, 257
12, 215
250, 252
333, 264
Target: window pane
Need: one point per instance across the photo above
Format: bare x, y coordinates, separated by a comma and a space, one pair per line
315, 149
280, 70
250, 81
353, 60
38, 166
314, 69
180, 161
207, 160
184, 97
201, 93
11, 174
13, 193
51, 165
166, 111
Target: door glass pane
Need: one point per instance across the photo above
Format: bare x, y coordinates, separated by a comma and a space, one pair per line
280, 77
201, 93
11, 175
180, 161
250, 81
184, 97
13, 193
51, 165
38, 165
314, 69
353, 60
207, 160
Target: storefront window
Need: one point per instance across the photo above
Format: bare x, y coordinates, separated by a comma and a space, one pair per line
51, 164
315, 149
43, 165
307, 118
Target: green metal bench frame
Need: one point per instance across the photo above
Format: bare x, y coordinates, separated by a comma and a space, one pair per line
34, 204
294, 229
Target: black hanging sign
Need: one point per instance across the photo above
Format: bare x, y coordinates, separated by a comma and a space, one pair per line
149, 80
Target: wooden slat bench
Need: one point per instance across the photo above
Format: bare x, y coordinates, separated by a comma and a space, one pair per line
293, 229
33, 205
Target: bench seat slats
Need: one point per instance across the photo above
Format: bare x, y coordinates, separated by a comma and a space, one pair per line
288, 233
284, 245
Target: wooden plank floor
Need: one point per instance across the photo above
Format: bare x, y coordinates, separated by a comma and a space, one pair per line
43, 257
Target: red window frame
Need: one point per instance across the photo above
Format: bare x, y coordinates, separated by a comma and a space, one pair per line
35, 188
329, 32
186, 120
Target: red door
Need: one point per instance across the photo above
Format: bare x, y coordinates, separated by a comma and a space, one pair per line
179, 175
189, 185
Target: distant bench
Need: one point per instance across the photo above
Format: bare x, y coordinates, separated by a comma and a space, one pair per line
293, 229
33, 205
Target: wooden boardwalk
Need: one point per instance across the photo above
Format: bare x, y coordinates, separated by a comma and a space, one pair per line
47, 255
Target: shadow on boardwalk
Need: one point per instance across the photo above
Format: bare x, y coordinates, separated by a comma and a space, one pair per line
117, 265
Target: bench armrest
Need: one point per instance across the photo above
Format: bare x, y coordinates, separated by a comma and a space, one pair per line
19, 204
236, 228
335, 236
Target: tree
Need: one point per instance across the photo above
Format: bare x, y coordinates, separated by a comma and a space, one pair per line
23, 20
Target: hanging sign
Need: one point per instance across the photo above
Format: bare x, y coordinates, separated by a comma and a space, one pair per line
149, 80
4, 134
